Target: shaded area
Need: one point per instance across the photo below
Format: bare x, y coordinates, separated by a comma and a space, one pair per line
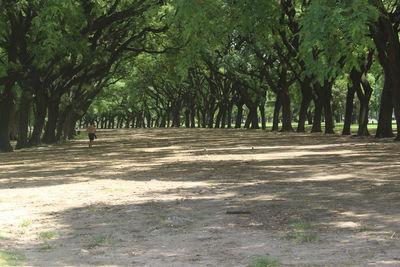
172, 189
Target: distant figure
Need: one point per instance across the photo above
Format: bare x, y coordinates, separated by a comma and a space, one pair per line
91, 130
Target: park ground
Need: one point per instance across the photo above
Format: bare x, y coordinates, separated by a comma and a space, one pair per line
202, 197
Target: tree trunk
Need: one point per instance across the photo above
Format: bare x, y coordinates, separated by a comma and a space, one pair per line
40, 117
176, 120
49, 136
219, 117
385, 112
263, 120
286, 112
316, 128
60, 123
6, 104
204, 118
149, 119
277, 108
306, 91
223, 117
13, 123
349, 110
254, 117
239, 116
329, 122
192, 118
386, 39
229, 115
211, 112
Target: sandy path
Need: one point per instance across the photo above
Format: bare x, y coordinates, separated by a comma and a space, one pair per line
161, 197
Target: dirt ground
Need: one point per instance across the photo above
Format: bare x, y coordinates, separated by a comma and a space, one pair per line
190, 197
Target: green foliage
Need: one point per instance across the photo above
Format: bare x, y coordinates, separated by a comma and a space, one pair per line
10, 258
46, 247
301, 237
265, 262
333, 31
47, 235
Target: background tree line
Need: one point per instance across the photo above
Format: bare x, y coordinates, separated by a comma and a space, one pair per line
208, 63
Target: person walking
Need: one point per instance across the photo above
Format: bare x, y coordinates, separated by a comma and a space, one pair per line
91, 130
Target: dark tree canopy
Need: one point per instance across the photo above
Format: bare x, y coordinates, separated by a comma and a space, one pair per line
210, 63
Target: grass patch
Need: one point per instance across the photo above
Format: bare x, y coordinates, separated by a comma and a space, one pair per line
265, 262
4, 236
10, 258
300, 231
297, 225
46, 246
365, 228
98, 240
300, 237
47, 235
81, 135
97, 210
25, 223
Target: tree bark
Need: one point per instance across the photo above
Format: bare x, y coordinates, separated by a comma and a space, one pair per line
24, 109
49, 136
239, 116
306, 91
385, 112
286, 112
40, 116
263, 120
349, 111
6, 104
329, 122
386, 39
316, 128
278, 105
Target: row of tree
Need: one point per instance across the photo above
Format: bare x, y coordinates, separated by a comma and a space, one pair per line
208, 63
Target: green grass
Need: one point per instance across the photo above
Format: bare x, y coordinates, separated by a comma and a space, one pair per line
4, 237
300, 237
338, 126
298, 225
300, 231
98, 240
82, 134
97, 210
365, 228
46, 246
25, 223
265, 262
47, 235
10, 258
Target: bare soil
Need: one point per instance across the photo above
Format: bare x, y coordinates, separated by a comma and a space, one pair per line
201, 197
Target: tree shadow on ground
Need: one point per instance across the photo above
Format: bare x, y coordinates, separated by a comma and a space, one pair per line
346, 188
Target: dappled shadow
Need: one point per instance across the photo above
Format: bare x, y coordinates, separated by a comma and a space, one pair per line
346, 187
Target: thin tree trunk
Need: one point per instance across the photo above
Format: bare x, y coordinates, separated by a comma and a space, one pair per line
6, 104
316, 128
263, 120
40, 116
239, 116
385, 112
277, 108
286, 112
349, 111
49, 136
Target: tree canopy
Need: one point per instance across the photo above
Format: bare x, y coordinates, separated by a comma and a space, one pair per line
208, 63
